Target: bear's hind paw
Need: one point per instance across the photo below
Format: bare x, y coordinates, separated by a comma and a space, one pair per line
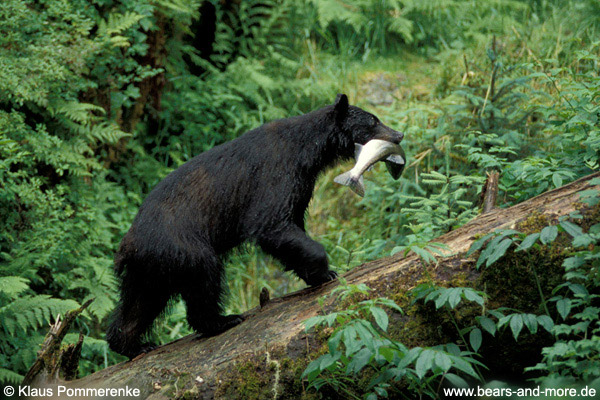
222, 324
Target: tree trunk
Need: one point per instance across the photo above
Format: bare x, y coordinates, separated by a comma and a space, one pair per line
264, 356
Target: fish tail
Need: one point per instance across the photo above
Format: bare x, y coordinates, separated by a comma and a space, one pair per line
356, 184
344, 179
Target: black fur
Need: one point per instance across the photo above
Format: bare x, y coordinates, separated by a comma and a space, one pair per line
256, 187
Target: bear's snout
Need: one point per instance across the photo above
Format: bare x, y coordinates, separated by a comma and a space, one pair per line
388, 134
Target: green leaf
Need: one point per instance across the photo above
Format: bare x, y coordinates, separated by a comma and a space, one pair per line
464, 364
350, 341
312, 370
443, 361
424, 362
424, 254
334, 342
499, 251
381, 317
571, 228
528, 241
548, 234
472, 295
309, 323
456, 380
381, 392
475, 339
443, 298
490, 248
530, 321
387, 353
453, 349
578, 290
571, 263
557, 180
359, 361
390, 303
454, 297
516, 324
327, 360
583, 240
331, 319
563, 306
396, 250
412, 355
479, 243
546, 322
487, 324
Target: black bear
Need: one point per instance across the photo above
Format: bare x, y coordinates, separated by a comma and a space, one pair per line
256, 187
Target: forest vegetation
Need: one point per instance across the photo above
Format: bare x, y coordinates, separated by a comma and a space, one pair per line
101, 99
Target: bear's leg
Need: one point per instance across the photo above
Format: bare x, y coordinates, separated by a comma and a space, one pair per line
133, 317
202, 293
299, 253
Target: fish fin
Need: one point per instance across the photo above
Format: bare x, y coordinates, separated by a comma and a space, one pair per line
357, 150
357, 185
344, 179
396, 159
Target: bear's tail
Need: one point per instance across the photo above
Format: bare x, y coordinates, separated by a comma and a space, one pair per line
356, 184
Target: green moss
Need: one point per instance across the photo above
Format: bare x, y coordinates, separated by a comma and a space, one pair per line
424, 325
291, 371
247, 380
180, 386
591, 215
535, 223
190, 394
254, 379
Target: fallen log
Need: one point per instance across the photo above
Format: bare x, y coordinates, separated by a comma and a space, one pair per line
264, 356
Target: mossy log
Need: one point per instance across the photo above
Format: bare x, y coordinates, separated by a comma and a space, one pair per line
265, 355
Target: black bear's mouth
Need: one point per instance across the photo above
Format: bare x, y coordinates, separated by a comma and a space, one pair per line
390, 136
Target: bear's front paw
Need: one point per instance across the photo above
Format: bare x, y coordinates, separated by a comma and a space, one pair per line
320, 279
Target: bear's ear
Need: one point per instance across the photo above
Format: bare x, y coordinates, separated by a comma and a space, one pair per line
340, 106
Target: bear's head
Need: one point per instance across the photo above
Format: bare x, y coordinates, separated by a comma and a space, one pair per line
361, 125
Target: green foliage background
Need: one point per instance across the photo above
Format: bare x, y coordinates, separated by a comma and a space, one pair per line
101, 99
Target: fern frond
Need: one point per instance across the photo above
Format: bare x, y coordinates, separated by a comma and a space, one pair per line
32, 312
8, 376
76, 111
115, 25
12, 286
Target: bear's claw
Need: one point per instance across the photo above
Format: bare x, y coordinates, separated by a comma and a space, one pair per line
327, 276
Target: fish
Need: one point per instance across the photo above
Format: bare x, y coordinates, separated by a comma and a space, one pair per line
373, 151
